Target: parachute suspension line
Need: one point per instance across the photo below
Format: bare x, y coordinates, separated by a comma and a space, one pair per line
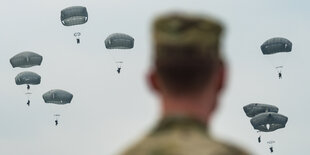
279, 69
56, 116
119, 64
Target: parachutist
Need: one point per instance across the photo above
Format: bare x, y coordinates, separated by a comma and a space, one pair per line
77, 41
28, 102
28, 86
259, 139
280, 75
56, 122
119, 70
271, 149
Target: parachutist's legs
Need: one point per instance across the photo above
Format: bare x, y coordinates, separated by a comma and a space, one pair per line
77, 40
28, 102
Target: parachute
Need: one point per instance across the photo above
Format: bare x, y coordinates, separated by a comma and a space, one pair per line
256, 108
29, 78
74, 15
265, 118
119, 41
57, 96
26, 60
269, 121
276, 45
276, 49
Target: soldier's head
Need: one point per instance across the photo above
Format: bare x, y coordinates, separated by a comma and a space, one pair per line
186, 54
188, 71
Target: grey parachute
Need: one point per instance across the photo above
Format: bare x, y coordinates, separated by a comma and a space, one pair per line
26, 59
269, 121
57, 96
276, 45
29, 78
256, 108
119, 41
74, 15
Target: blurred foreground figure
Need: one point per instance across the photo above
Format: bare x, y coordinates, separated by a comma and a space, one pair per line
188, 75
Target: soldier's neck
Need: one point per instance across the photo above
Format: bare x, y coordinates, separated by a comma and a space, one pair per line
198, 107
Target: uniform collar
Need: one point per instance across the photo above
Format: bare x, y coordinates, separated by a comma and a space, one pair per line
179, 122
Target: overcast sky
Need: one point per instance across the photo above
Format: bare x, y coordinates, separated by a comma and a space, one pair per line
109, 111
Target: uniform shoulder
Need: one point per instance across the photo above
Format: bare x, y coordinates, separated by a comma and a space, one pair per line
181, 136
178, 142
229, 148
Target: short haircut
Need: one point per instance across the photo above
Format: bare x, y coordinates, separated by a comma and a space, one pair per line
186, 51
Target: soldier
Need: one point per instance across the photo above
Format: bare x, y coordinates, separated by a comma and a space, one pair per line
271, 149
188, 75
119, 70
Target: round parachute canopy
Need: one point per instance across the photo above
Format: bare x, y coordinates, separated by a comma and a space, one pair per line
269, 121
256, 108
27, 78
276, 45
57, 96
119, 41
74, 15
26, 60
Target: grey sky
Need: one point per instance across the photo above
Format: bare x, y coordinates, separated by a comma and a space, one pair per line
109, 111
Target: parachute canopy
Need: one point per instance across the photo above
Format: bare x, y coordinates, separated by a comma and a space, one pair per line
269, 121
26, 59
256, 108
27, 78
74, 15
276, 45
57, 96
119, 41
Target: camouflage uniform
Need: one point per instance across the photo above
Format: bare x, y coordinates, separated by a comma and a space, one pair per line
181, 136
183, 40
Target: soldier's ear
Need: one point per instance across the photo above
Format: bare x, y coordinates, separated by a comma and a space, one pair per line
221, 77
153, 81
